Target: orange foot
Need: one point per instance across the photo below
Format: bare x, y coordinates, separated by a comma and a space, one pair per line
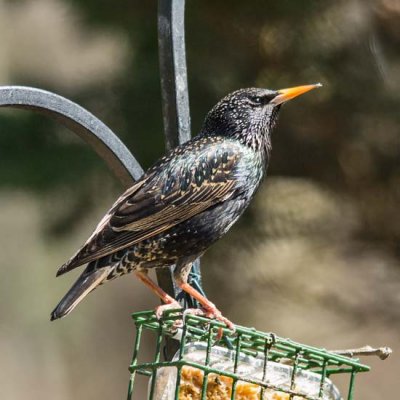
173, 305
210, 312
209, 308
192, 311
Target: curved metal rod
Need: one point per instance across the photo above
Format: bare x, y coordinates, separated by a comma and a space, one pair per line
80, 121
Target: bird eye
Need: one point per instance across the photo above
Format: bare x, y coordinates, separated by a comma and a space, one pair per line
256, 100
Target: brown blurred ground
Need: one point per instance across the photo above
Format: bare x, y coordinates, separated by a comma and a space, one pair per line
316, 258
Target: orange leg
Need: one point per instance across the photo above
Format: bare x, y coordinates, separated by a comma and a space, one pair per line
170, 303
210, 310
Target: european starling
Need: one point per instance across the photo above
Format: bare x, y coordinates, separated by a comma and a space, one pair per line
185, 202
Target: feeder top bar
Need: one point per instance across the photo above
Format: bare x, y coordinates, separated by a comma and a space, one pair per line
252, 342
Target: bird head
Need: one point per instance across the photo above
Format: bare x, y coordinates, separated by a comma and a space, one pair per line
249, 115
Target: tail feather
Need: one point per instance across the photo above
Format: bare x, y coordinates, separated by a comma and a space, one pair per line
76, 261
64, 268
81, 288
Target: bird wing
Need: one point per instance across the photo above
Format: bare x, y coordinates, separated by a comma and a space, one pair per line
192, 179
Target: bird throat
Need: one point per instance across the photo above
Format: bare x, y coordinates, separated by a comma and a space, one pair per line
257, 135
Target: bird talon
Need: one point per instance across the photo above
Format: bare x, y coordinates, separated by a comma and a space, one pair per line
214, 313
193, 311
160, 310
189, 311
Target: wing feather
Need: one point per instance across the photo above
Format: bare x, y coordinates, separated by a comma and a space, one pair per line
163, 198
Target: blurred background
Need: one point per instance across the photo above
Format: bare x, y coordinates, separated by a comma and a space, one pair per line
317, 256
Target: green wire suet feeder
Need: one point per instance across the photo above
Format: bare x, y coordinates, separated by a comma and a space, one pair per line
246, 365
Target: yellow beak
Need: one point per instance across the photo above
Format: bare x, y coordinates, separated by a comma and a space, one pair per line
290, 93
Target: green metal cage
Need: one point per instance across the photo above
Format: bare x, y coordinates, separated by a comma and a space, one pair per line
267, 348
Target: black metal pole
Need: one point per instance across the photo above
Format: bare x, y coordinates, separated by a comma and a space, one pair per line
174, 91
172, 56
175, 107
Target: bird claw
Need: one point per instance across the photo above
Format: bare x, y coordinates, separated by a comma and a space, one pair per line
209, 312
213, 312
192, 311
160, 310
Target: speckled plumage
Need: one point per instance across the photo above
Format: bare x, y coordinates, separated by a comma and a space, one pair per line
186, 201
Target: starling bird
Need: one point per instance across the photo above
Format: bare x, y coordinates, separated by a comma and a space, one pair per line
185, 202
